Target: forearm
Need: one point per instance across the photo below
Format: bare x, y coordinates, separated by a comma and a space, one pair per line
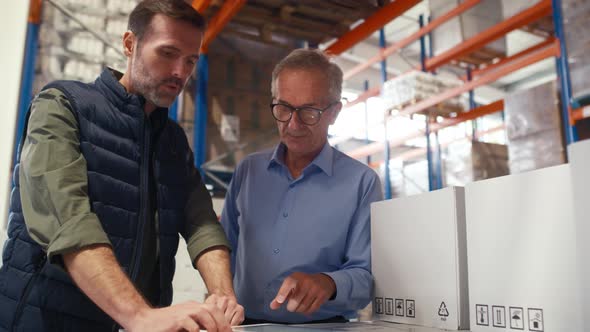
214, 266
97, 273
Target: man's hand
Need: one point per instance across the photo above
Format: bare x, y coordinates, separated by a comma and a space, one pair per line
234, 313
188, 316
304, 292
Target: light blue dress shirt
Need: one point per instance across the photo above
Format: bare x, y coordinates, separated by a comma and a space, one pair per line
317, 223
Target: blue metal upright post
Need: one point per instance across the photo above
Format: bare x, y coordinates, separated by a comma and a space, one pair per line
431, 184
439, 183
173, 110
200, 121
422, 45
439, 178
431, 181
431, 44
366, 86
28, 77
472, 106
386, 156
563, 74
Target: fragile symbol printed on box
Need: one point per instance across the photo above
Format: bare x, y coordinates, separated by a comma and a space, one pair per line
516, 318
499, 316
410, 309
443, 312
536, 320
399, 307
379, 305
482, 315
389, 306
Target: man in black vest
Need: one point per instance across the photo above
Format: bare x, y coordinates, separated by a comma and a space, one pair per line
104, 186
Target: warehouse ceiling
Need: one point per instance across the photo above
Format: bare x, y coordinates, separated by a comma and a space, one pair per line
289, 23
280, 22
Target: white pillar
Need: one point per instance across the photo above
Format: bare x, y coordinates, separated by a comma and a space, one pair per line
13, 30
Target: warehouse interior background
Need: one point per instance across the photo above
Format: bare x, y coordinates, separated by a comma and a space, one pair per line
436, 92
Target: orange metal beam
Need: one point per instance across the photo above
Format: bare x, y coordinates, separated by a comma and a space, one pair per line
370, 25
475, 113
384, 53
201, 5
421, 151
377, 147
532, 14
373, 92
218, 22
35, 12
549, 51
580, 113
518, 55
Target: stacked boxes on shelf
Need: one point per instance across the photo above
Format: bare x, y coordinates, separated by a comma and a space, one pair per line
415, 86
473, 161
533, 127
473, 21
68, 51
576, 26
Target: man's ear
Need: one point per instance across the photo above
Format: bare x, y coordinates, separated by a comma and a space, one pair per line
335, 111
129, 40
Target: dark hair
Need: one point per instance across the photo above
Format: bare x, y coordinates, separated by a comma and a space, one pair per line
141, 16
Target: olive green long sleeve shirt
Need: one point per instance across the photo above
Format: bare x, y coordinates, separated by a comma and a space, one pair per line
54, 195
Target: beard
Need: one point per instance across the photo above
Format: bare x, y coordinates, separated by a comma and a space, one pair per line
150, 88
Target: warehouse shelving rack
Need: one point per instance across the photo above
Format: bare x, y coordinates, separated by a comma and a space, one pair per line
572, 111
551, 47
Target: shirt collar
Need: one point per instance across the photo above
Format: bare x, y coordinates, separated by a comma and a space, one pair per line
324, 160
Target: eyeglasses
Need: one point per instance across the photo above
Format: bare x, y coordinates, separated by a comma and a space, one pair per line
307, 114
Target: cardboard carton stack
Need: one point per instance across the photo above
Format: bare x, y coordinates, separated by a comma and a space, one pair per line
533, 127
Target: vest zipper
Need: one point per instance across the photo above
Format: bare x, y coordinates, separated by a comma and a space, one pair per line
23, 300
143, 174
157, 207
144, 197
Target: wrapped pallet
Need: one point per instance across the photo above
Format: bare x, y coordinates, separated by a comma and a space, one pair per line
68, 51
473, 161
415, 86
533, 127
576, 26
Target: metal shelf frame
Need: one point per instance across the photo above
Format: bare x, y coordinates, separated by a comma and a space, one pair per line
475, 77
552, 47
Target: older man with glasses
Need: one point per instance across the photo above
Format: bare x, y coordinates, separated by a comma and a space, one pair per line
297, 217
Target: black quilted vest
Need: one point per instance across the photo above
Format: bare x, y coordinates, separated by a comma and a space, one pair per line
114, 139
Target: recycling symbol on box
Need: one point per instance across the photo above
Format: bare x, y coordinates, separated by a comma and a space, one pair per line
442, 310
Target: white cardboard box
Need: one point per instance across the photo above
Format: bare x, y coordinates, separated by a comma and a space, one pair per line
522, 253
579, 156
419, 260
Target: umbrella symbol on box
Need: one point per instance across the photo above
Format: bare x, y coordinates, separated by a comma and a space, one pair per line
516, 318
399, 307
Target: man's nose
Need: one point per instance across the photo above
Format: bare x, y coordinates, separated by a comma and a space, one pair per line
295, 122
181, 69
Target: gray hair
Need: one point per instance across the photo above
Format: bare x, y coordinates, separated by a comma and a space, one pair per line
308, 59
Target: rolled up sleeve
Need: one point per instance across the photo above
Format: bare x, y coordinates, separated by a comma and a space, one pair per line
54, 182
202, 229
